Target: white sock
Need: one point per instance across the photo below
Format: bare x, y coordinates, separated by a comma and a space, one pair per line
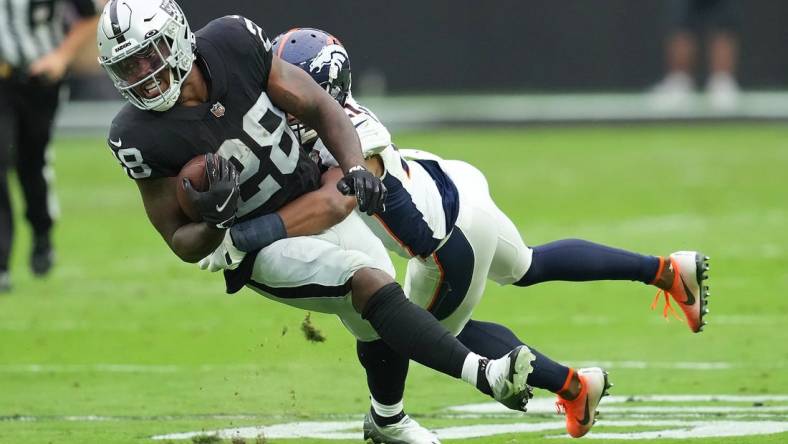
387, 411
470, 368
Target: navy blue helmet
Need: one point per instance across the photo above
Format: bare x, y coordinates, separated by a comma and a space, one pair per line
321, 55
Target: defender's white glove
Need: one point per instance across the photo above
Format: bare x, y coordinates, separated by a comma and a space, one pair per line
225, 257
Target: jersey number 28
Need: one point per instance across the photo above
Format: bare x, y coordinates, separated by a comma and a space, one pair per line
266, 126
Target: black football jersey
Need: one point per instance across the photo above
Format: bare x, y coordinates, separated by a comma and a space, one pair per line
239, 122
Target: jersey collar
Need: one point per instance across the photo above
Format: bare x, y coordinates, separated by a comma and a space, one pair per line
213, 70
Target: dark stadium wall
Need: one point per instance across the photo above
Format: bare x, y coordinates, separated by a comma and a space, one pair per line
527, 45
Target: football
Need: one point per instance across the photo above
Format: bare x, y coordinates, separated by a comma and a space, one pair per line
194, 170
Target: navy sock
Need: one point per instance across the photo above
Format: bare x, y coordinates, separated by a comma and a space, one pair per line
494, 340
579, 260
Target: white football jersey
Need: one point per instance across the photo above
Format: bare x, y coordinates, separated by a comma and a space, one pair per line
422, 202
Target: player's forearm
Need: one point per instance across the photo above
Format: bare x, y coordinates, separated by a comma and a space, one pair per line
194, 241
293, 91
317, 211
310, 214
81, 32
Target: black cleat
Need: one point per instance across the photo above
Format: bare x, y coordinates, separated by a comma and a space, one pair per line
42, 258
5, 282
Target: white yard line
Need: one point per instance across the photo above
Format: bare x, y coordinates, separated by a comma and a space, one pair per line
675, 416
694, 430
663, 365
122, 368
634, 404
99, 418
88, 368
348, 430
175, 368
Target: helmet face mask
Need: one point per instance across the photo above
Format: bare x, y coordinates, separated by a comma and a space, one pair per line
143, 74
331, 70
147, 59
303, 133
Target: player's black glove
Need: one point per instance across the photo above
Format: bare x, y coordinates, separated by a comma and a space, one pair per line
216, 205
368, 188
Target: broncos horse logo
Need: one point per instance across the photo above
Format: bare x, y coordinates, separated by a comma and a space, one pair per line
332, 56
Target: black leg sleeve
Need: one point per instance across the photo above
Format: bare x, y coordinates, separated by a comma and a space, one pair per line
386, 371
413, 332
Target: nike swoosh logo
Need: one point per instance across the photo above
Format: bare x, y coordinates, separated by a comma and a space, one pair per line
117, 144
360, 123
690, 298
222, 207
587, 417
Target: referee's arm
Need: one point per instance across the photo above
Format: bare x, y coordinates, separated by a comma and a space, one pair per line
54, 64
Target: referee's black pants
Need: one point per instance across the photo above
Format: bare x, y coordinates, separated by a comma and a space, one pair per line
27, 111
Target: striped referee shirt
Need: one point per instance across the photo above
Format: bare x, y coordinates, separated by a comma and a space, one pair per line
31, 28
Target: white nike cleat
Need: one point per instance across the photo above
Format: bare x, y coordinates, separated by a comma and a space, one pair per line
406, 431
688, 289
581, 412
507, 377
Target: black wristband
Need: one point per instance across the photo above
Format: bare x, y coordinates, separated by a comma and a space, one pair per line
258, 233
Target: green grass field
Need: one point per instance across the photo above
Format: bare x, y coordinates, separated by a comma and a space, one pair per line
123, 342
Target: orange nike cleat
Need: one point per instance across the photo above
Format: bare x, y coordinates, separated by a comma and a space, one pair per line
688, 288
581, 412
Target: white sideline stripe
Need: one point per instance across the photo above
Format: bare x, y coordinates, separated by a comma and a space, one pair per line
657, 365
99, 418
626, 415
700, 398
631, 404
336, 430
617, 403
704, 429
694, 409
121, 368
306, 429
174, 368
425, 111
665, 413
693, 421
79, 368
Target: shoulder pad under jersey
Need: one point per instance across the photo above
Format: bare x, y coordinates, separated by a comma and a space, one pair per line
416, 154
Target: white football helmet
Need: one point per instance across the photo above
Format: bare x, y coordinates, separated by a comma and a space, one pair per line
147, 48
